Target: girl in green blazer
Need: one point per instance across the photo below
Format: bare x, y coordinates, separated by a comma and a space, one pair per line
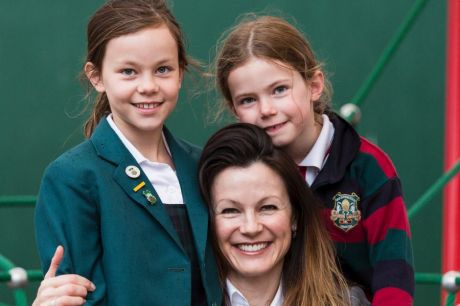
125, 203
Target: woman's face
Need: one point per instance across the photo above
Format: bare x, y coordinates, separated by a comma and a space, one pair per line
253, 220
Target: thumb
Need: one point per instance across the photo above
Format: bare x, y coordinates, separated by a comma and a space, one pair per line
55, 261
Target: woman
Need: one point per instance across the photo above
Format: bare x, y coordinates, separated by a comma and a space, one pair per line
267, 233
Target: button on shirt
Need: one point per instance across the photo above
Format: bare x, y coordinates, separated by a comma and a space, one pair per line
238, 299
316, 158
162, 176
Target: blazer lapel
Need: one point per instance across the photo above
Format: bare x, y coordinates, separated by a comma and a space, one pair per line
109, 147
187, 172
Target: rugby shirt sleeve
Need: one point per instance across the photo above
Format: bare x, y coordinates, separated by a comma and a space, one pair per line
388, 237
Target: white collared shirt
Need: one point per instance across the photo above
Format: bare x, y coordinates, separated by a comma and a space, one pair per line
238, 299
316, 158
162, 176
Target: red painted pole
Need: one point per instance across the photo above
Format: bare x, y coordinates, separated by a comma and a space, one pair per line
451, 225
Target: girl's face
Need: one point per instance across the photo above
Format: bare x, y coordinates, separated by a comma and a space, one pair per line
277, 99
141, 77
253, 220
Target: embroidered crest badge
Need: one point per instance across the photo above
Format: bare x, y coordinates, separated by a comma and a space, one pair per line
345, 214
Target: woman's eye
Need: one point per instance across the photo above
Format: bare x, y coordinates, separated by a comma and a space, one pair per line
163, 70
227, 211
128, 72
279, 90
269, 207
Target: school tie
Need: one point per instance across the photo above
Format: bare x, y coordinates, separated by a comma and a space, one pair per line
302, 170
310, 176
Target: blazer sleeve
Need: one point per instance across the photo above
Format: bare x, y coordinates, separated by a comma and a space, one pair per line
67, 214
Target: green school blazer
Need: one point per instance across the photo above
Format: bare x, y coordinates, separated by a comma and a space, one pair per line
116, 236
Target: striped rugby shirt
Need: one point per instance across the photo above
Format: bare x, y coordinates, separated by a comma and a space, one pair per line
366, 217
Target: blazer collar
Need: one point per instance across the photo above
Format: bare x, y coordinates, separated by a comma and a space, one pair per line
109, 147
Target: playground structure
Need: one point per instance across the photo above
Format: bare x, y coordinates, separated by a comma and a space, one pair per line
450, 281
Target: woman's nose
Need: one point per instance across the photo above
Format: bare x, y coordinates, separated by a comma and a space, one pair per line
251, 225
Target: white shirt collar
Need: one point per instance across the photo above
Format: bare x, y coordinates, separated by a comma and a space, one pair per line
163, 178
318, 153
238, 299
131, 148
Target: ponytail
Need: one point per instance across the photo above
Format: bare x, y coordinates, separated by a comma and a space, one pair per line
100, 110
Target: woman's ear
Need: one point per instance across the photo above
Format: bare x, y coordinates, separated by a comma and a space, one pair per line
294, 229
316, 85
94, 76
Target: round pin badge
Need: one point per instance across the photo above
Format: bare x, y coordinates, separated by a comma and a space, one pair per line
132, 171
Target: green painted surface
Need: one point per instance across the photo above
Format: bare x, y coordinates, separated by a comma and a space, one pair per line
42, 48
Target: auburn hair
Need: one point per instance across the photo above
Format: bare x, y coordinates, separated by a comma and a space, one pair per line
310, 273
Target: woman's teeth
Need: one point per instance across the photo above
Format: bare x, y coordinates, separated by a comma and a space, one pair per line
252, 247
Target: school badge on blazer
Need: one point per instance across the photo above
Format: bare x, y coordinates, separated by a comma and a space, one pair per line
345, 214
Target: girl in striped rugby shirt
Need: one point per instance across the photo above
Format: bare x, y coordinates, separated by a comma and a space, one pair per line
269, 77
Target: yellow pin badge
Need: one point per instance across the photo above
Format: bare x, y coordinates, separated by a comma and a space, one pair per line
139, 186
134, 172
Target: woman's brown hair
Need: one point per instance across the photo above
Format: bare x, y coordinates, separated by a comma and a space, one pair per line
121, 17
270, 38
310, 274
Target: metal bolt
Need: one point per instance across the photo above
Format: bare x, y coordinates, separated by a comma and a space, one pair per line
18, 278
351, 112
448, 281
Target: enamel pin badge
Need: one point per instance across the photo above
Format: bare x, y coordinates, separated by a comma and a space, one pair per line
345, 214
139, 186
149, 196
133, 172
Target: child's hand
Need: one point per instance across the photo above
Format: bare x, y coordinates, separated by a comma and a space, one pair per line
63, 290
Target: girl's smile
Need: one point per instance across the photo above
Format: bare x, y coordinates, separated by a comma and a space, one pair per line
148, 107
272, 129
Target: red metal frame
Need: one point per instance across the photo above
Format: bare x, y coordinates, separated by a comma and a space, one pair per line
451, 224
